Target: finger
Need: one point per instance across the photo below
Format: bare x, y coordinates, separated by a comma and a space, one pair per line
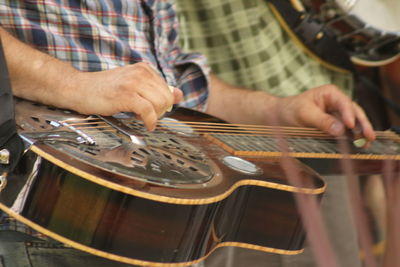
178, 95
145, 111
342, 106
159, 95
363, 122
350, 113
171, 88
318, 118
154, 88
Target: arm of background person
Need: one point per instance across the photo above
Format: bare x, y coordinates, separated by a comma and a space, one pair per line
41, 78
324, 107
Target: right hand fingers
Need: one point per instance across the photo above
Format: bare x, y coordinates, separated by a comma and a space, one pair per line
156, 91
145, 111
136, 88
153, 97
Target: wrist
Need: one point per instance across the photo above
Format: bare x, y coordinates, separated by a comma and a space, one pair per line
61, 87
69, 92
266, 109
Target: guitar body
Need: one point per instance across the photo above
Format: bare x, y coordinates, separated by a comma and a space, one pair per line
169, 199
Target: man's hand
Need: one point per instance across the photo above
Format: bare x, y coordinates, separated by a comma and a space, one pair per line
134, 88
325, 108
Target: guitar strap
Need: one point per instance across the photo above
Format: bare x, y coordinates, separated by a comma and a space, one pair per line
11, 145
312, 36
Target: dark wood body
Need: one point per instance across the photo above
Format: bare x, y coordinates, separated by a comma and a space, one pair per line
359, 167
124, 219
121, 224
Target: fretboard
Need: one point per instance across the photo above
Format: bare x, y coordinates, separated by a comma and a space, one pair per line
304, 147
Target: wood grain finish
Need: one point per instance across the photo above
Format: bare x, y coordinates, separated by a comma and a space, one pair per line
128, 220
137, 230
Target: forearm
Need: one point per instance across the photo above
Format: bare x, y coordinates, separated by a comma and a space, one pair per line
239, 105
136, 88
35, 75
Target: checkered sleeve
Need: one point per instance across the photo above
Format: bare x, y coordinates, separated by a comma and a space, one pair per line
105, 34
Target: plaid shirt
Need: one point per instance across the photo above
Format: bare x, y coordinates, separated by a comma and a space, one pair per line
104, 34
246, 46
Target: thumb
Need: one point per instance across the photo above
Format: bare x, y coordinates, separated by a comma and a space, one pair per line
178, 95
325, 122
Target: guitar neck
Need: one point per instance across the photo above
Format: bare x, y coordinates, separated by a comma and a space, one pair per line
386, 147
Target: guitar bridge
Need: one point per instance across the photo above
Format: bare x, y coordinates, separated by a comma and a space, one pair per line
42, 128
61, 136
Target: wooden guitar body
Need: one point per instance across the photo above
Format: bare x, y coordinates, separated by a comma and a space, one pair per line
166, 198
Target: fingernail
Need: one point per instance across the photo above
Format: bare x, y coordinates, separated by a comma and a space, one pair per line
336, 128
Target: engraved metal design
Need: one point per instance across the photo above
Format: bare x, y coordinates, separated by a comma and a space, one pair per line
162, 158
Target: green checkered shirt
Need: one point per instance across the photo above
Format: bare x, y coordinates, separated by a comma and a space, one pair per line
246, 46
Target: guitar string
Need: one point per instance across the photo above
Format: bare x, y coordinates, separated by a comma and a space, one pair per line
325, 142
279, 144
288, 130
223, 128
245, 133
87, 124
220, 125
301, 147
212, 126
106, 126
293, 130
274, 147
